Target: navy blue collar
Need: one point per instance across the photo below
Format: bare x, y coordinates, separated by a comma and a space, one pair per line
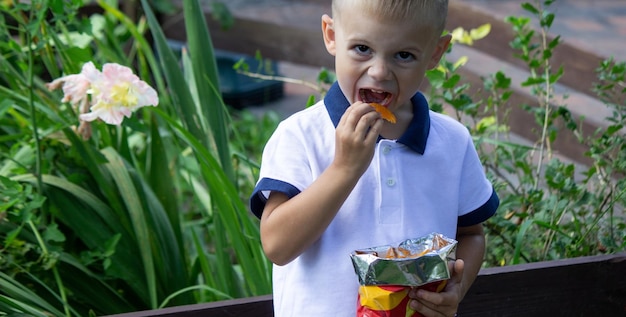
416, 134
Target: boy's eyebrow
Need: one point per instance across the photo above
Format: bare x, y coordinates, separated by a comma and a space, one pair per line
366, 42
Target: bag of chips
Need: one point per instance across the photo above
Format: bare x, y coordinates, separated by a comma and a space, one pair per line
387, 274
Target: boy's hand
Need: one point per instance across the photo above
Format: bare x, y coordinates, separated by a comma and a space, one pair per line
444, 304
355, 137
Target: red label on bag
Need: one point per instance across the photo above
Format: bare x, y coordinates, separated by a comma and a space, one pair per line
390, 300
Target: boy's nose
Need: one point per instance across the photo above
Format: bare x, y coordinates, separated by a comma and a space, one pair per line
379, 70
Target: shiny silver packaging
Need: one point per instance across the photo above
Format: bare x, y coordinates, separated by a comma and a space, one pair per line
414, 262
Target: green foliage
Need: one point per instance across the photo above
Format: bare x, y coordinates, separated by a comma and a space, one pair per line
138, 216
550, 208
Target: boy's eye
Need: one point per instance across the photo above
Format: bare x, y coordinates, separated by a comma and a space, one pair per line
362, 49
405, 56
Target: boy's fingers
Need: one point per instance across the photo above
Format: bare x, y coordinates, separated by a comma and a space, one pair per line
374, 130
356, 114
456, 268
427, 308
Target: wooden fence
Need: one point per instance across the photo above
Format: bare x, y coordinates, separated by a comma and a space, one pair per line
586, 286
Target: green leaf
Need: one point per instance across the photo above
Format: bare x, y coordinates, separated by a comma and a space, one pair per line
612, 129
480, 32
158, 166
241, 64
203, 260
436, 77
556, 76
452, 82
547, 54
555, 42
221, 13
53, 234
128, 191
519, 240
326, 77
233, 215
530, 8
22, 299
502, 81
310, 101
460, 62
93, 288
485, 123
201, 52
204, 70
110, 222
547, 20
532, 81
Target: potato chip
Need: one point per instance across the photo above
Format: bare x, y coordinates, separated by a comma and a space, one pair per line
384, 112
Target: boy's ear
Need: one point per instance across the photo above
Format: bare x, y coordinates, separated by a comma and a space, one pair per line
440, 49
328, 31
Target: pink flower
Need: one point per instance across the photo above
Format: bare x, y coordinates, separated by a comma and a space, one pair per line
76, 87
115, 92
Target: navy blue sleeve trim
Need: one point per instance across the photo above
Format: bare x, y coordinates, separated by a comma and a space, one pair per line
258, 200
481, 214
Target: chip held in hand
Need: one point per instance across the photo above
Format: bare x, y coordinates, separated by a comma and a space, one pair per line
384, 112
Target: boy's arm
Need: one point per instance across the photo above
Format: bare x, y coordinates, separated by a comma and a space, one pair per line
471, 249
290, 226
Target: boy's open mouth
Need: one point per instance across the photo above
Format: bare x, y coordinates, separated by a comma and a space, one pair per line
375, 96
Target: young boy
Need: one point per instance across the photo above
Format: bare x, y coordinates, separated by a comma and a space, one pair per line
336, 177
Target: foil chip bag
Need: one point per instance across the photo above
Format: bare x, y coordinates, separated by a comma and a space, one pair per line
387, 274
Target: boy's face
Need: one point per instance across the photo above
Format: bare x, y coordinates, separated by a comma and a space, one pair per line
380, 60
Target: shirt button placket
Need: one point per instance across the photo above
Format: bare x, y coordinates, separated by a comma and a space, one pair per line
386, 149
390, 207
390, 180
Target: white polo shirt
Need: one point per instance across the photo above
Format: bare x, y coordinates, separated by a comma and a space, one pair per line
429, 180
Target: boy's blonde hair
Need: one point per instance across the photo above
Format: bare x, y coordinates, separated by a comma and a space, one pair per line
432, 13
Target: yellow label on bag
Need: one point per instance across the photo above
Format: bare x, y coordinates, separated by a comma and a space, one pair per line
390, 300
382, 297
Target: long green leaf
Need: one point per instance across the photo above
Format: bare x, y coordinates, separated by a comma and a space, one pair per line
203, 260
206, 78
183, 101
135, 209
170, 257
93, 161
154, 231
24, 297
12, 307
160, 178
91, 288
519, 239
232, 212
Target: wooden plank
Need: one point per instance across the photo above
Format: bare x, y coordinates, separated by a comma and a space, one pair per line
585, 286
525, 126
579, 64
259, 306
296, 44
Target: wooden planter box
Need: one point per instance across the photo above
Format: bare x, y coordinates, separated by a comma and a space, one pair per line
586, 286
